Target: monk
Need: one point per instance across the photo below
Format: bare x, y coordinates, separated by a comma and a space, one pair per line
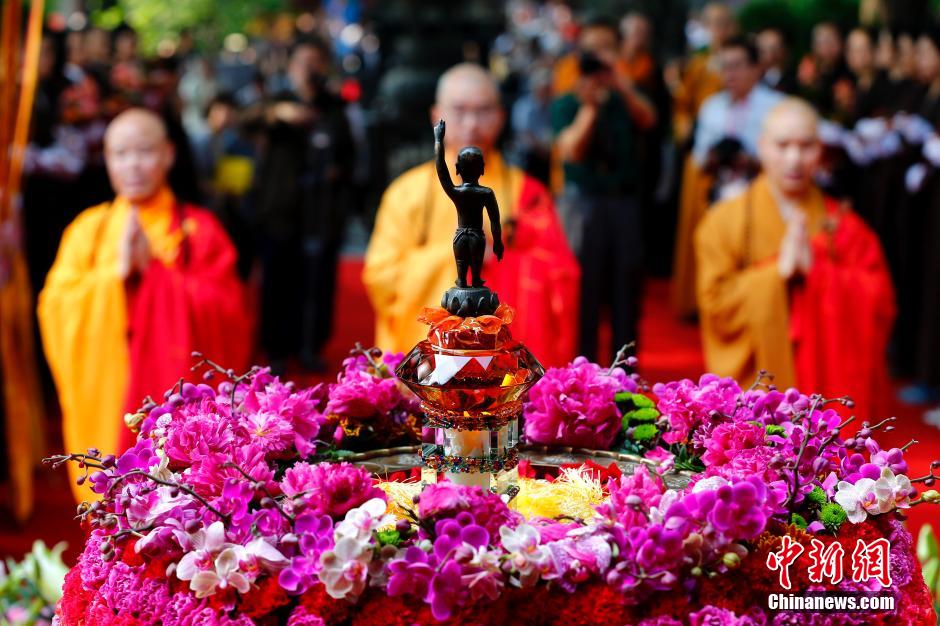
792, 281
139, 283
737, 112
410, 259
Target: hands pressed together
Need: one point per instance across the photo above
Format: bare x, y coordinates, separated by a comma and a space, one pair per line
135, 253
796, 256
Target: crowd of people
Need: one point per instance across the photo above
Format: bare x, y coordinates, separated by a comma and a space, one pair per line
604, 155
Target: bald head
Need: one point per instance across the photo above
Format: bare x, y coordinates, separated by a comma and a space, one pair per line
136, 121
468, 100
138, 154
465, 76
789, 146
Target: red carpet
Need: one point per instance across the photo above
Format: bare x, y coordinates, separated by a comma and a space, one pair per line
668, 350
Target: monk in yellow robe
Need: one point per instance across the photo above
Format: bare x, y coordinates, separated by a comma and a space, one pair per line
410, 261
792, 281
700, 80
138, 284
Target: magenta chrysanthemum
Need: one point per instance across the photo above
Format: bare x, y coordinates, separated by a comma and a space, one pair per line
575, 406
329, 489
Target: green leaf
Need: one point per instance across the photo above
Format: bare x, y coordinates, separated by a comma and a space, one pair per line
926, 544
631, 447
932, 573
774, 429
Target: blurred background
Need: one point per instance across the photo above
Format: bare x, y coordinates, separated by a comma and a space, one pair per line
213, 69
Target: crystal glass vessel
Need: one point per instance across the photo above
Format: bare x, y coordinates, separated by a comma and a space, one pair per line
471, 386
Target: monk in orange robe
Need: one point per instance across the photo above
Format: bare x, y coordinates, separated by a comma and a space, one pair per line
410, 261
700, 80
139, 283
792, 281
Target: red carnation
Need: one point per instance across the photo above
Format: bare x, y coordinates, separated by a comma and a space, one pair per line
593, 604
264, 598
75, 598
130, 556
330, 610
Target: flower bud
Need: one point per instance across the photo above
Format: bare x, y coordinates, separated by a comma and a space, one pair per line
93, 452
932, 496
81, 480
696, 571
731, 560
403, 526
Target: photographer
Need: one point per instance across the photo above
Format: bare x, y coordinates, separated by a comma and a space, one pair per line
595, 128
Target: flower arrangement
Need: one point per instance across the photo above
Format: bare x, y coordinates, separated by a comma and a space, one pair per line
232, 509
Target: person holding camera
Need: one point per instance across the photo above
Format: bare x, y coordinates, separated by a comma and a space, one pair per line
595, 127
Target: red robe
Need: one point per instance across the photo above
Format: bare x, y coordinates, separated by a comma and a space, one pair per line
841, 316
197, 304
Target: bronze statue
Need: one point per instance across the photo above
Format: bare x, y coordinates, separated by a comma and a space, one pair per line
470, 198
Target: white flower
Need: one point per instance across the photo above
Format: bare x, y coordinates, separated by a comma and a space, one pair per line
224, 574
670, 496
856, 498
526, 556
712, 483
260, 555
345, 568
891, 492
362, 520
874, 497
214, 564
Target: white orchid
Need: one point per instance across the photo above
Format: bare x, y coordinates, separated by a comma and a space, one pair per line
225, 573
214, 563
853, 498
345, 568
361, 521
526, 555
872, 497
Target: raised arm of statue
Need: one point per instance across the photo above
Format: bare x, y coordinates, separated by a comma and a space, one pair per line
443, 174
